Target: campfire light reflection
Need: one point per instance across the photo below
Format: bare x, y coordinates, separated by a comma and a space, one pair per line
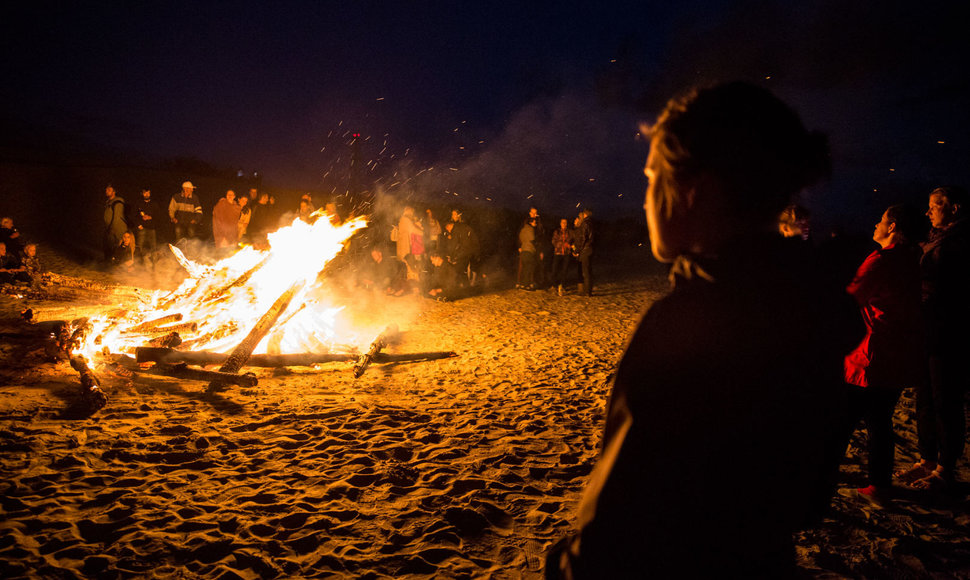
227, 298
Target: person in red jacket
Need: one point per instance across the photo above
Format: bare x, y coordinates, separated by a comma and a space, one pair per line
887, 288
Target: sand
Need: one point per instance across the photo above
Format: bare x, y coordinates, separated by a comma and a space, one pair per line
468, 467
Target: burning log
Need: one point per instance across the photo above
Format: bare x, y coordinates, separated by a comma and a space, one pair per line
375, 348
150, 325
170, 340
90, 383
223, 291
244, 350
185, 327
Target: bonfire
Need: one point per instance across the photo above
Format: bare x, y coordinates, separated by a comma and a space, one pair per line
255, 307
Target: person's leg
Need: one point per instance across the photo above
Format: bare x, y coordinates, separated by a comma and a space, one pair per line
952, 414
927, 420
880, 405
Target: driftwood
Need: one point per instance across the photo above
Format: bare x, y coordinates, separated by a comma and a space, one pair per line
90, 383
244, 350
379, 343
145, 354
183, 371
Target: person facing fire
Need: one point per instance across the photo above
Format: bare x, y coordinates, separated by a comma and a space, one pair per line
11, 268
718, 440
10, 236
126, 253
115, 221
890, 357
147, 213
225, 221
945, 305
185, 211
462, 246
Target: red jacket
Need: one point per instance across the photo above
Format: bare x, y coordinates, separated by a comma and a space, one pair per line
887, 288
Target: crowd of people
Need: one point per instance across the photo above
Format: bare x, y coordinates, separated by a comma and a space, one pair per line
131, 234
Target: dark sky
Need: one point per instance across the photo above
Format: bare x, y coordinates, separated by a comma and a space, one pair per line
490, 100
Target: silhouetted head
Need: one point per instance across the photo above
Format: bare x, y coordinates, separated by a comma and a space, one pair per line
724, 160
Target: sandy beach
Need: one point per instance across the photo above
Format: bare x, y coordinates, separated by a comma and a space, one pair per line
465, 467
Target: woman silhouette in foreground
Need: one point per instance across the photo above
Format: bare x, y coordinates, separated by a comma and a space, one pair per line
719, 438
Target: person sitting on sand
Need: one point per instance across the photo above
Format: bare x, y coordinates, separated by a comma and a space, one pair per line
385, 274
31, 263
126, 253
11, 269
720, 435
10, 236
443, 279
890, 357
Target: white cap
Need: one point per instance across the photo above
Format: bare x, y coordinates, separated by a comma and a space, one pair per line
188, 185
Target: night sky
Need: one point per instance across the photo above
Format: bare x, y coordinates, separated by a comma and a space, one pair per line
486, 102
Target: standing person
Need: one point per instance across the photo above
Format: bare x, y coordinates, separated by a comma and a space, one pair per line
432, 231
225, 221
945, 270
463, 246
245, 214
185, 211
718, 440
542, 247
115, 221
887, 288
147, 213
583, 250
259, 222
527, 255
562, 248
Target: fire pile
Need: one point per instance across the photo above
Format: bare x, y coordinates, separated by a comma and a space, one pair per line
257, 307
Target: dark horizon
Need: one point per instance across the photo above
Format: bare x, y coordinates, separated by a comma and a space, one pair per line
503, 106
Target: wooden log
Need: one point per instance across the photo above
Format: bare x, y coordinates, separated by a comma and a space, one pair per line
382, 340
224, 290
153, 324
90, 383
244, 349
184, 327
179, 370
167, 355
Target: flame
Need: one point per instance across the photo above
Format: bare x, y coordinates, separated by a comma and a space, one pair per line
225, 299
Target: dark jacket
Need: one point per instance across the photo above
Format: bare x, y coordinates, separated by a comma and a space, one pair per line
719, 439
144, 209
583, 239
945, 270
